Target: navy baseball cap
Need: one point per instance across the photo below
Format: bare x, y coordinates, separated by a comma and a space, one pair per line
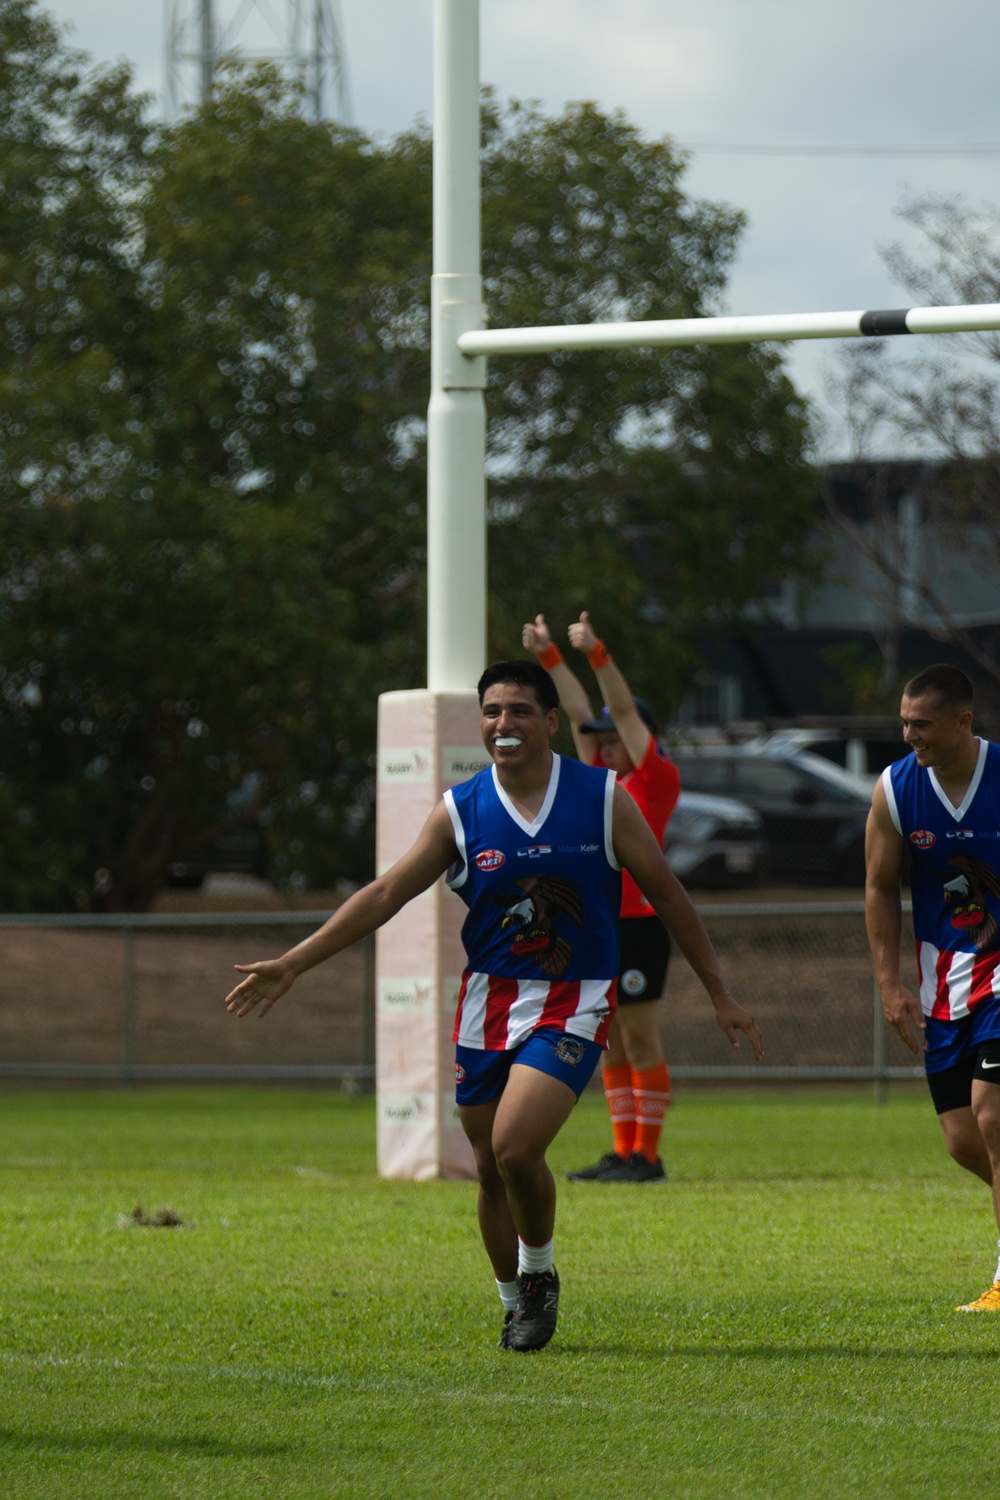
605, 724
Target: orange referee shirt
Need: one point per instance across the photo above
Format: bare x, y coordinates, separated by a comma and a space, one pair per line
654, 787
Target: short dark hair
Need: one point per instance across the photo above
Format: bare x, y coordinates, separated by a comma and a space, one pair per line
526, 674
950, 686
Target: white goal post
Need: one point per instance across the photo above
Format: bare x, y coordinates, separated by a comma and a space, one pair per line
765, 328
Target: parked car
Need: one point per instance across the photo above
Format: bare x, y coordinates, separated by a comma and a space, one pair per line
713, 841
814, 813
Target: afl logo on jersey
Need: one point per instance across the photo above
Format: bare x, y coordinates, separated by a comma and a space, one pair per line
490, 859
923, 838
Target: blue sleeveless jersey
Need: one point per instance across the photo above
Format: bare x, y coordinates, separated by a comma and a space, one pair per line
955, 858
541, 932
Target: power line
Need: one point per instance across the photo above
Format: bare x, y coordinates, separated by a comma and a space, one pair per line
720, 149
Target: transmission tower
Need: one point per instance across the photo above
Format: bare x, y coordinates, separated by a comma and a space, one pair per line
304, 37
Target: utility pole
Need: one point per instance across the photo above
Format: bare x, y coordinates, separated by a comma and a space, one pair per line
208, 59
304, 37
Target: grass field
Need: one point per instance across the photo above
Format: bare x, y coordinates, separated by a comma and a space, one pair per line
776, 1320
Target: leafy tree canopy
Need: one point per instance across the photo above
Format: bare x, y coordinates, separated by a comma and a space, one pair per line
213, 383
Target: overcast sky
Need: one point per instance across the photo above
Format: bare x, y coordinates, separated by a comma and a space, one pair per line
863, 73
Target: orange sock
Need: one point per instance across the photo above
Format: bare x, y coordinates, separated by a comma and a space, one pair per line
651, 1095
621, 1107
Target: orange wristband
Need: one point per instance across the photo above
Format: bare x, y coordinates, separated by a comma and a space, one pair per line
550, 657
598, 656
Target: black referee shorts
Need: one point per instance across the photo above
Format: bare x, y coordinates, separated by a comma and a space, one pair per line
644, 953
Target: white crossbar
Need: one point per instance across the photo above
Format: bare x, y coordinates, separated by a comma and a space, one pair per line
768, 327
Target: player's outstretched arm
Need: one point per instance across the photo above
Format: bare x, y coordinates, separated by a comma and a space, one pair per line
368, 909
617, 694
883, 917
638, 851
573, 700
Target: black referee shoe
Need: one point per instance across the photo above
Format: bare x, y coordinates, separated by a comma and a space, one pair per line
596, 1172
637, 1168
534, 1322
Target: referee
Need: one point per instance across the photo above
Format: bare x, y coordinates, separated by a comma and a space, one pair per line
622, 737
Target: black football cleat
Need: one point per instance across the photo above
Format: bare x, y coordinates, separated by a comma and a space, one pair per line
595, 1173
504, 1343
637, 1168
534, 1321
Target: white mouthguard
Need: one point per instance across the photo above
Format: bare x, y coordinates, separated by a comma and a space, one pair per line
507, 742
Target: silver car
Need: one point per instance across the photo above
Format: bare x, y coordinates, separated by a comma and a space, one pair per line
714, 841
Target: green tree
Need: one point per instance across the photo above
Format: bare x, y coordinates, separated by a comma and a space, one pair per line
209, 542
213, 385
72, 161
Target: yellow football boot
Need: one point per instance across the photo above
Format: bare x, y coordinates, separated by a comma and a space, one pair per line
988, 1302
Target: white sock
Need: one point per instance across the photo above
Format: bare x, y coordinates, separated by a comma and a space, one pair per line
997, 1276
508, 1294
533, 1257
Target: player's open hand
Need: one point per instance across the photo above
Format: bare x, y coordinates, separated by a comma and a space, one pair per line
902, 1011
265, 983
732, 1017
582, 635
535, 636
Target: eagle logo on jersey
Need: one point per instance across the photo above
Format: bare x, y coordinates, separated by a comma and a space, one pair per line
530, 913
965, 899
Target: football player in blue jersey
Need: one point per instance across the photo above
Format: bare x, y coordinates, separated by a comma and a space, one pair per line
941, 803
534, 1013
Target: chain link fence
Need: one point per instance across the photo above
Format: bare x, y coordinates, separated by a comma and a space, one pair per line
804, 970
136, 998
141, 998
